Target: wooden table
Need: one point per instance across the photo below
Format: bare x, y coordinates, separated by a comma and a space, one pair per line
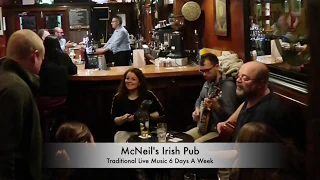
185, 138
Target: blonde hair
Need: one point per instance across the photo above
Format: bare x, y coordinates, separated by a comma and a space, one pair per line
23, 43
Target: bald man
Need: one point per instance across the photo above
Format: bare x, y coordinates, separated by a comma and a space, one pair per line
21, 144
58, 32
260, 104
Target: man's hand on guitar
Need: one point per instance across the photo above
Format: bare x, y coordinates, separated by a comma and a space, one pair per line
220, 126
196, 114
212, 103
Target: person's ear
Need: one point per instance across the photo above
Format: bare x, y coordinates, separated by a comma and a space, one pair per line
33, 56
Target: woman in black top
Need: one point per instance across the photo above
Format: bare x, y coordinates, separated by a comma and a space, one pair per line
54, 72
132, 91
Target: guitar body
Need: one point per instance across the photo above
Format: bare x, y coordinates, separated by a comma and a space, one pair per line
225, 134
204, 121
205, 112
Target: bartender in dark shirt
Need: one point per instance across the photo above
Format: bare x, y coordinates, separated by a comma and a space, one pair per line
260, 104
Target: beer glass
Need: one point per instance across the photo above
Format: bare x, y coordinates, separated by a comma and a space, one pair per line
162, 132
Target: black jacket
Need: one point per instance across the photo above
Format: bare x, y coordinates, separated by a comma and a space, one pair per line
21, 145
54, 74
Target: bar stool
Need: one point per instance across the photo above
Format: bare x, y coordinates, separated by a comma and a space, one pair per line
50, 109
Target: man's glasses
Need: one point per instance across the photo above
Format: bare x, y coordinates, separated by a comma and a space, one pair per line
246, 78
205, 70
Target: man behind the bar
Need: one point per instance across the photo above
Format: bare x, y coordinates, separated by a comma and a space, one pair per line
118, 44
260, 104
223, 107
21, 144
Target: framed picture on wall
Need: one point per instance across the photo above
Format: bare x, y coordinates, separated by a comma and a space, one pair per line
221, 18
1, 23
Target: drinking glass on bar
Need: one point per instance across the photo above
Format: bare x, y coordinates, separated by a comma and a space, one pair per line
190, 176
162, 132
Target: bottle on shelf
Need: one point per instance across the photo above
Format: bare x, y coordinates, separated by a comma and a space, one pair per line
102, 38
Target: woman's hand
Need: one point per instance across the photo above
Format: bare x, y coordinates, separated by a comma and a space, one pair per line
130, 118
154, 115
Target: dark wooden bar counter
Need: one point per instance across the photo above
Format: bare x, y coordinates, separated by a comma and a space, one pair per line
91, 92
150, 71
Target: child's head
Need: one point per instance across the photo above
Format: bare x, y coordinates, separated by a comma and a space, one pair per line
74, 132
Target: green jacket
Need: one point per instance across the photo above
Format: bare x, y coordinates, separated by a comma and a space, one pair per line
20, 131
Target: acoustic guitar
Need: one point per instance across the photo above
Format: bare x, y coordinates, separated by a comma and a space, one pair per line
225, 134
205, 112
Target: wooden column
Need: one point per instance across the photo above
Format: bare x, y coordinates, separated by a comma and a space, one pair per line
313, 123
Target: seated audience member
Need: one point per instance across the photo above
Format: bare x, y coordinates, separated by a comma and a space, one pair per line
255, 132
21, 147
223, 107
132, 91
260, 105
76, 132
43, 33
55, 69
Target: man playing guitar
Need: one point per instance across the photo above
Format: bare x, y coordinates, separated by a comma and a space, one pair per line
260, 104
221, 108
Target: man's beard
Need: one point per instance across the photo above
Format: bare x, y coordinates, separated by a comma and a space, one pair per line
245, 94
213, 79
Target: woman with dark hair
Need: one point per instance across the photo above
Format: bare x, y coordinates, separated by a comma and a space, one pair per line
255, 132
55, 69
54, 72
132, 91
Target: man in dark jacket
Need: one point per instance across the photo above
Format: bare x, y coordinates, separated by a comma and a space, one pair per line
21, 146
222, 106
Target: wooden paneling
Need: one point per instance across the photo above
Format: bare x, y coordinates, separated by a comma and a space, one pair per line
205, 27
2, 46
8, 2
76, 36
296, 103
235, 41
313, 123
12, 16
177, 6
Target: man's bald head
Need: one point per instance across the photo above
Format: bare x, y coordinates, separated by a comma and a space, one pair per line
26, 47
23, 43
58, 32
57, 29
256, 70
